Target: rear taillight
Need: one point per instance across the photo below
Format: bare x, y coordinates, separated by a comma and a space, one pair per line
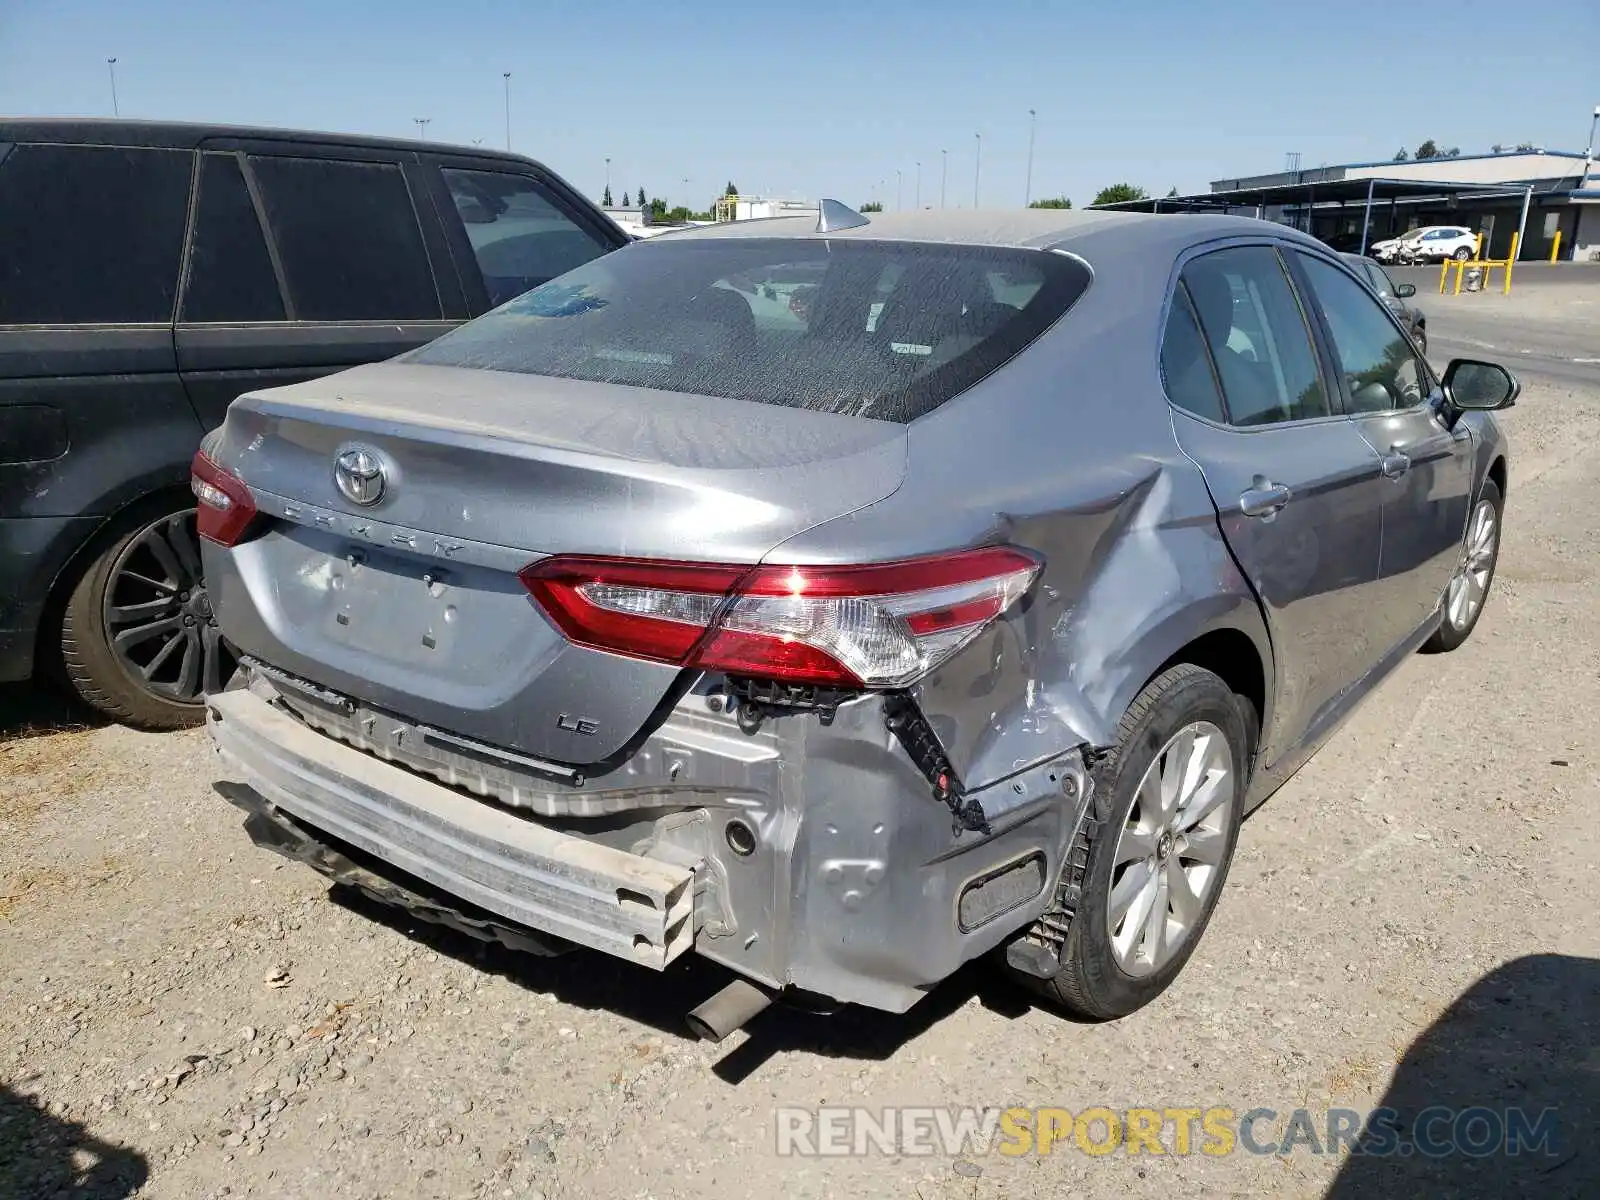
880, 625
224, 507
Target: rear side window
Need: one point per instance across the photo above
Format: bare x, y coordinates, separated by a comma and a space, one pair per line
1258, 336
889, 330
348, 239
520, 237
230, 271
1186, 365
91, 234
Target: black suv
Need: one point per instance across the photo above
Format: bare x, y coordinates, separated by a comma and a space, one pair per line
150, 273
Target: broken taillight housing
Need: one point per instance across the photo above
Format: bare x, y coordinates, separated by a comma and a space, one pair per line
877, 625
224, 507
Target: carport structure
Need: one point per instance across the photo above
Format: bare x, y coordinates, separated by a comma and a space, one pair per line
1308, 204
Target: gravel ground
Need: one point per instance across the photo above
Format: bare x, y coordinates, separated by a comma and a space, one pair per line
1409, 922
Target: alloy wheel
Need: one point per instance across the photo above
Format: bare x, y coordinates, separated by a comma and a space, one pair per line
1469, 584
158, 618
1171, 848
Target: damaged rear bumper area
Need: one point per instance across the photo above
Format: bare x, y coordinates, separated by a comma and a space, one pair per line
636, 908
805, 854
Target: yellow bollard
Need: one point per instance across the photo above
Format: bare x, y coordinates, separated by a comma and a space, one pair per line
1510, 259
1478, 250
1555, 248
1459, 264
1444, 271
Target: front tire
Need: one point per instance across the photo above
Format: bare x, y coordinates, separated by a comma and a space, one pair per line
1461, 253
138, 639
1169, 799
1468, 589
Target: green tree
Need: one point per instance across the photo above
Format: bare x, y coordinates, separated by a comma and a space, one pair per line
1172, 193
731, 190
1428, 149
871, 206
1497, 148
1402, 154
642, 201
1118, 192
605, 200
1524, 146
1052, 202
1453, 152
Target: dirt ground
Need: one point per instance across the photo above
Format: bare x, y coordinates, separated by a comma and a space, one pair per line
1410, 922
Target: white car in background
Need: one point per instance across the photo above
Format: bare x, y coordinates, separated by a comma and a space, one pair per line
1431, 243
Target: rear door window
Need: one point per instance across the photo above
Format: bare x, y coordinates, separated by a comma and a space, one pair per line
520, 236
230, 271
91, 234
1258, 336
348, 238
1186, 364
881, 329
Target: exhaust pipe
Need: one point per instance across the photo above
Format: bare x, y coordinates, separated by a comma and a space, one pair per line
728, 1010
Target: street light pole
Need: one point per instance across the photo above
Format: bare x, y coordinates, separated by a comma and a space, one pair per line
111, 66
919, 186
899, 189
977, 168
422, 125
944, 173
607, 192
1027, 191
506, 75
1588, 153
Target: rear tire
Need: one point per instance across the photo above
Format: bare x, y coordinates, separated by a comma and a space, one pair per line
1420, 337
138, 641
1461, 253
1190, 722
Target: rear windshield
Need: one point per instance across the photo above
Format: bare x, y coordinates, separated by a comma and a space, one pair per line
889, 330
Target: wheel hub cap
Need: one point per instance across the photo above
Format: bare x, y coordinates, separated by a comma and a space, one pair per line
158, 618
1469, 585
1169, 853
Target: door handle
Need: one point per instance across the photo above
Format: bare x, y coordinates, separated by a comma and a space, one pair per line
1396, 463
1264, 499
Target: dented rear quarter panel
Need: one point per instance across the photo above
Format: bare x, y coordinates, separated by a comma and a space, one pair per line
1067, 450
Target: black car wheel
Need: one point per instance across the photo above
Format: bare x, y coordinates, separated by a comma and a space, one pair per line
1419, 335
138, 638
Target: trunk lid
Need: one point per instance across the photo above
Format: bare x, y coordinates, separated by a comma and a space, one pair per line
411, 602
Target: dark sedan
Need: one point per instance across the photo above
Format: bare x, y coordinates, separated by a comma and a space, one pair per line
1395, 295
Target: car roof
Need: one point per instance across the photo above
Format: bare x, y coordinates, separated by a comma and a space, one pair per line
187, 135
1022, 228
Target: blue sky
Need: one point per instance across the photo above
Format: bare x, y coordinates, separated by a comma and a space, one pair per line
827, 97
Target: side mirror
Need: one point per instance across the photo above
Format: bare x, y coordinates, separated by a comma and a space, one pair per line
1405, 290
1473, 386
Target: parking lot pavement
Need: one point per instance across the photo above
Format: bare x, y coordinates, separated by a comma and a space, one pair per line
1410, 922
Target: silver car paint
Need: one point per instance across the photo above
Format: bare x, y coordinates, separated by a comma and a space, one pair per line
1070, 449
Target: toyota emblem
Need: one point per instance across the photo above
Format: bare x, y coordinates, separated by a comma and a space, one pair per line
360, 476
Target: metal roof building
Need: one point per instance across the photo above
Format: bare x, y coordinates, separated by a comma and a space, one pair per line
1539, 192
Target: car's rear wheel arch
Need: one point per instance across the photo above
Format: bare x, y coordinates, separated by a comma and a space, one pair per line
1232, 656
47, 639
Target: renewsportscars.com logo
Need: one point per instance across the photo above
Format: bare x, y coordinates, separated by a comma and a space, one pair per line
1437, 1132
